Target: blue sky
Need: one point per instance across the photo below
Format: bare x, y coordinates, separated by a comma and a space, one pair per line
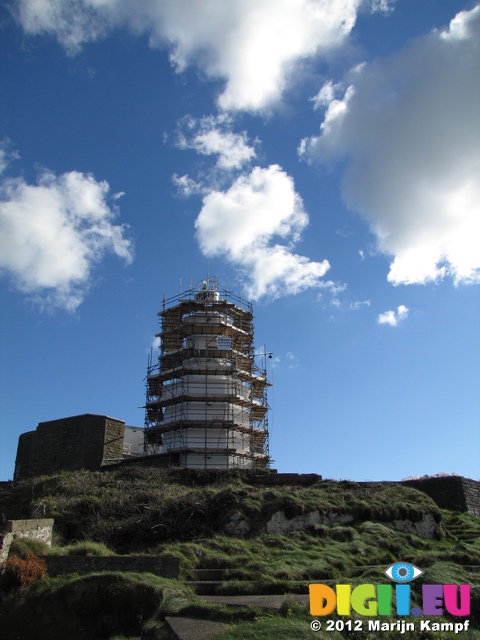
322, 156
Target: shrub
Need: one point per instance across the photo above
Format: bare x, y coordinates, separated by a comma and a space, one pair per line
23, 572
87, 548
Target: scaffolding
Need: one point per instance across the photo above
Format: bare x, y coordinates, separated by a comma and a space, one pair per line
206, 396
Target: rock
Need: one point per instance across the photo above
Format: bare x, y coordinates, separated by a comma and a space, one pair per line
279, 523
424, 528
236, 526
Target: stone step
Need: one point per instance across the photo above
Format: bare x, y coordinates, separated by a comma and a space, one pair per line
192, 629
462, 536
246, 587
204, 587
263, 601
209, 574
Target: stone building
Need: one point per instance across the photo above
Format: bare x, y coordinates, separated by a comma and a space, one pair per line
79, 442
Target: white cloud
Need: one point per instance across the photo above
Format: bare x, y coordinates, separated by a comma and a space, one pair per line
332, 288
326, 95
408, 126
392, 318
292, 360
254, 45
6, 154
337, 301
187, 186
358, 304
383, 5
3, 159
213, 135
53, 232
245, 223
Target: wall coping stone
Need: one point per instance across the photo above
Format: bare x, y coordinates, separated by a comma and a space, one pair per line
22, 526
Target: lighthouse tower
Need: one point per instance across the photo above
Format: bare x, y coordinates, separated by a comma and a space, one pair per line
206, 404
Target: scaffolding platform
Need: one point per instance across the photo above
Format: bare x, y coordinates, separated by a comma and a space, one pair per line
206, 394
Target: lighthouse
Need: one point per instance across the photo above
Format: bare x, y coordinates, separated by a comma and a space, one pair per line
206, 394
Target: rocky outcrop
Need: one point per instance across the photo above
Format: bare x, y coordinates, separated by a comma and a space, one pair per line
237, 526
425, 528
279, 523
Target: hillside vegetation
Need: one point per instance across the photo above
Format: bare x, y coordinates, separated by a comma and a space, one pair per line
135, 510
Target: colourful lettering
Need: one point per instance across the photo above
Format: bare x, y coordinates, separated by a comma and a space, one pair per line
432, 599
361, 595
384, 595
451, 600
322, 599
402, 592
371, 600
343, 599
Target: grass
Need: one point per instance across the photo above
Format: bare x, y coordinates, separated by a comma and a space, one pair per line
21, 546
95, 606
182, 513
134, 509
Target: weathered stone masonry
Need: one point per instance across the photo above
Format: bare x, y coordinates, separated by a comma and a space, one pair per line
41, 529
451, 492
79, 442
92, 442
38, 529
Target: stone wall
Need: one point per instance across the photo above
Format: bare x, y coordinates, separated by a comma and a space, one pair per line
25, 455
79, 442
113, 439
162, 460
450, 492
471, 491
6, 540
286, 479
38, 529
167, 567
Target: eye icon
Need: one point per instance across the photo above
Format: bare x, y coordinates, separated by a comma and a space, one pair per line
402, 572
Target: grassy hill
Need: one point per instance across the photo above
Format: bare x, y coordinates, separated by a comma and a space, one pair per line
131, 510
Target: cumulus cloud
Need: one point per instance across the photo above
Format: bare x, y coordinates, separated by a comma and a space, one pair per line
409, 130
53, 232
213, 136
253, 45
392, 318
246, 223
